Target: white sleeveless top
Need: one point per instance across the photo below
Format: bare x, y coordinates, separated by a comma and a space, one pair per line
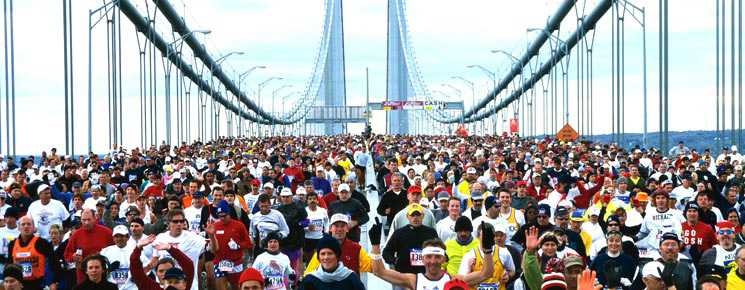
423, 283
724, 257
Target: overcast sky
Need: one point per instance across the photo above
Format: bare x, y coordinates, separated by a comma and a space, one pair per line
446, 36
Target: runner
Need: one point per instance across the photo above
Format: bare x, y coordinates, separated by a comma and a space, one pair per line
433, 256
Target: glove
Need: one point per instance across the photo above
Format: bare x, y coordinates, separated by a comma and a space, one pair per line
375, 231
625, 282
487, 239
695, 254
612, 274
667, 274
114, 266
292, 277
233, 245
606, 198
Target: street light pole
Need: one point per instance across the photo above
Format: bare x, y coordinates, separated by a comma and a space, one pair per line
567, 55
212, 80
473, 96
274, 94
258, 92
493, 77
515, 62
241, 77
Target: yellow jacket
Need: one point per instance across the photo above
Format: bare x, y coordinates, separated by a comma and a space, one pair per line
455, 253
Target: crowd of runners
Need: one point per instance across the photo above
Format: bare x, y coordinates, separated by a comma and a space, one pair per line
419, 212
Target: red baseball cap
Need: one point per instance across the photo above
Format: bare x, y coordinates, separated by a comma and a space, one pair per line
255, 182
725, 225
522, 182
455, 284
251, 274
415, 188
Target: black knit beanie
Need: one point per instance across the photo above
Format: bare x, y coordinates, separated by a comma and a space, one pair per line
329, 242
463, 224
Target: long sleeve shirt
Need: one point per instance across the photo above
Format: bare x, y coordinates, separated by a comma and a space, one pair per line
91, 242
145, 283
405, 243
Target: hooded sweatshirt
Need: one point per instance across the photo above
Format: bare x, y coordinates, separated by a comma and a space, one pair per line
340, 278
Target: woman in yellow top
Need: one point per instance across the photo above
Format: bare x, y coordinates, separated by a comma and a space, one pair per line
345, 163
504, 266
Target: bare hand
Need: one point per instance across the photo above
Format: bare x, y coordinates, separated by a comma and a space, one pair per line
586, 281
152, 217
210, 229
505, 277
388, 211
531, 239
162, 246
146, 241
77, 258
311, 227
471, 262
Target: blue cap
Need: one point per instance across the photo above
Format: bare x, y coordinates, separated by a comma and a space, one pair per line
223, 207
174, 272
491, 201
198, 194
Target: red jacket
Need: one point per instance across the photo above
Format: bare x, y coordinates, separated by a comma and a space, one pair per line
585, 195
144, 282
537, 195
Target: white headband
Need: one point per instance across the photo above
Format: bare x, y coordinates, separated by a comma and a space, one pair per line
433, 251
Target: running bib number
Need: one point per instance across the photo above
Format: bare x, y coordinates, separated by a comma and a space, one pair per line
274, 282
317, 225
487, 287
225, 266
263, 233
5, 244
120, 275
623, 198
26, 268
415, 256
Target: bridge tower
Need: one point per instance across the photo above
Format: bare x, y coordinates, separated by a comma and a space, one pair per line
398, 83
332, 91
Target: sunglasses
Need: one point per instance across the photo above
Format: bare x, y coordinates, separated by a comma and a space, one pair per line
613, 225
724, 232
563, 218
178, 221
542, 216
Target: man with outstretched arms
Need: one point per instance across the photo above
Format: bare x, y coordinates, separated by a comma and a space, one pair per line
432, 257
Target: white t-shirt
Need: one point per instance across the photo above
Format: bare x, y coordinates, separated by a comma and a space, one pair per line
3, 208
7, 236
193, 216
147, 251
122, 277
91, 202
655, 224
250, 200
274, 268
45, 216
320, 220
191, 244
446, 229
494, 222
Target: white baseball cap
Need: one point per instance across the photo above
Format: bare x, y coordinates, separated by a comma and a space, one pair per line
471, 170
301, 190
120, 230
653, 268
286, 192
339, 217
269, 185
42, 187
343, 186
